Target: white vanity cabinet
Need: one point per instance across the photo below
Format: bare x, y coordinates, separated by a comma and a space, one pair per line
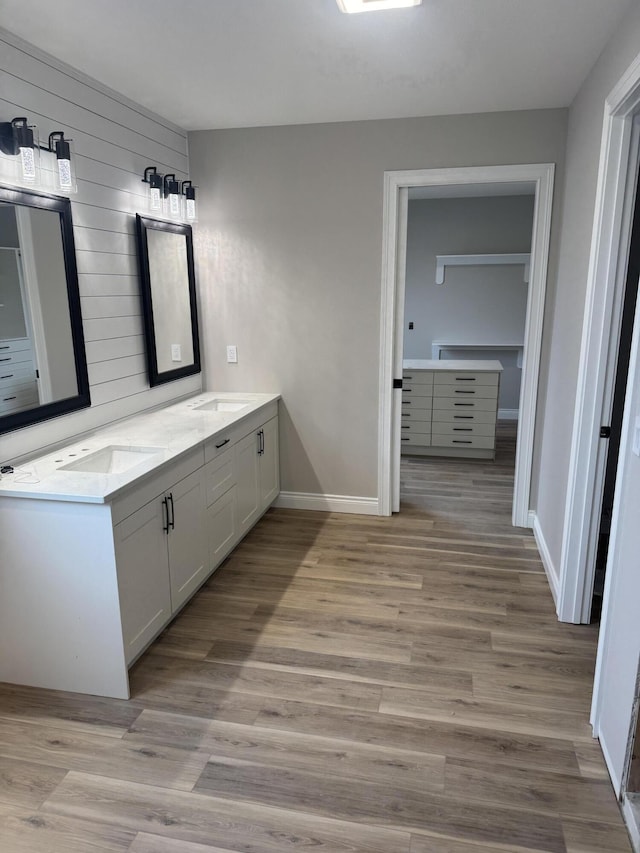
87, 583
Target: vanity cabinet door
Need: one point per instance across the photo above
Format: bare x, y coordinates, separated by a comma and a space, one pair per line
143, 576
248, 481
187, 537
222, 526
269, 463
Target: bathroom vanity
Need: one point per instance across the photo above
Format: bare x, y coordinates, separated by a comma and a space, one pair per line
105, 540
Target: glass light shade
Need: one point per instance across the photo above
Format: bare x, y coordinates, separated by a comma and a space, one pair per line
174, 206
190, 209
27, 152
155, 199
64, 176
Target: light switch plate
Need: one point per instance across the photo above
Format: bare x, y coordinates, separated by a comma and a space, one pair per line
232, 355
176, 352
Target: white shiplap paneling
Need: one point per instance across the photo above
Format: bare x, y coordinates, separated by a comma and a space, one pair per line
114, 140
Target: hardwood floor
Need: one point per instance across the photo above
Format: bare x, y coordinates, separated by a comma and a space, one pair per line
342, 683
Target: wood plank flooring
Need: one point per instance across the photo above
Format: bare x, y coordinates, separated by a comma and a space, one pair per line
343, 683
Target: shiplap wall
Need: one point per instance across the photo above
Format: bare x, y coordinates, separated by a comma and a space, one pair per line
114, 140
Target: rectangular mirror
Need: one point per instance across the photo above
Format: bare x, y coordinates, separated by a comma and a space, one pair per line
43, 368
167, 275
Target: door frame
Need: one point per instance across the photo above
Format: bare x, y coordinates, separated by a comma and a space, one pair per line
396, 186
615, 192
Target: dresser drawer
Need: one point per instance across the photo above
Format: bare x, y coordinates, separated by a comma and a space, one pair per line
417, 377
459, 430
464, 414
417, 407
486, 392
14, 377
411, 427
18, 398
475, 441
466, 404
418, 439
466, 378
13, 345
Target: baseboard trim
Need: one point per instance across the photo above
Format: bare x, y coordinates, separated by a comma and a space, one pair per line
631, 814
550, 570
327, 503
508, 414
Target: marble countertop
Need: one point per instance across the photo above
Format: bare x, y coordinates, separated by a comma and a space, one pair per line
173, 430
476, 365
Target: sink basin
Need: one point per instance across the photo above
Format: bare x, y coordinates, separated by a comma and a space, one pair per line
222, 406
113, 459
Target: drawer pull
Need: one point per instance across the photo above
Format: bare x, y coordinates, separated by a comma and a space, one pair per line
7, 376
463, 429
6, 399
465, 378
6, 347
458, 391
462, 417
464, 404
460, 441
405, 427
407, 377
222, 443
5, 359
406, 402
405, 439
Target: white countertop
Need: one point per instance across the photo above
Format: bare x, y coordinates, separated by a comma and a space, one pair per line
476, 365
174, 430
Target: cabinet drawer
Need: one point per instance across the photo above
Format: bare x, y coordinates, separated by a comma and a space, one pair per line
15, 399
466, 378
464, 414
466, 404
413, 413
417, 377
220, 475
416, 438
486, 392
10, 377
481, 441
14, 345
415, 426
459, 430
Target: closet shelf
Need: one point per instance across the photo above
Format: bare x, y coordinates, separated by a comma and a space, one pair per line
512, 259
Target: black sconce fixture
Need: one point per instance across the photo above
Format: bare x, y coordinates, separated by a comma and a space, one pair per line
190, 208
168, 195
20, 139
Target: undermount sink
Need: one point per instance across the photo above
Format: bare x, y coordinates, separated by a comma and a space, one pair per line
113, 459
222, 406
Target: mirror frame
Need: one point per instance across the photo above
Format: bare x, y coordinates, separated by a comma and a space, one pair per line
82, 400
144, 224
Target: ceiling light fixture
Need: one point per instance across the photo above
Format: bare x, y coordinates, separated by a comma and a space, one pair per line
351, 6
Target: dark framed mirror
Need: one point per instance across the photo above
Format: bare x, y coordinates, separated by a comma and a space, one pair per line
165, 252
43, 366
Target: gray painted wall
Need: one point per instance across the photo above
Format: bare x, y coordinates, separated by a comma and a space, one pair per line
475, 305
289, 251
565, 313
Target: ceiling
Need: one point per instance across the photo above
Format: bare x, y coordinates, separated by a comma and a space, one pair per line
239, 63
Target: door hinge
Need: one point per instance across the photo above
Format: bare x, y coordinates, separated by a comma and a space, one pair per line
605, 432
397, 383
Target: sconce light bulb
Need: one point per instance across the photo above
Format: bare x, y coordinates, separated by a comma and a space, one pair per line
174, 205
155, 199
28, 164
64, 174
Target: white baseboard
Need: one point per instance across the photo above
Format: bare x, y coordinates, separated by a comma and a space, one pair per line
508, 414
631, 819
545, 556
327, 503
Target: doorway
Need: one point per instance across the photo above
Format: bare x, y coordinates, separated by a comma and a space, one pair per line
537, 178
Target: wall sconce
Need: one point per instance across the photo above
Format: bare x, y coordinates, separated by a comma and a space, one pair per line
170, 197
65, 173
154, 180
190, 208
20, 139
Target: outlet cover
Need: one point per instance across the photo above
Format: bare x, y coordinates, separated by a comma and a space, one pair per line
176, 352
232, 355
